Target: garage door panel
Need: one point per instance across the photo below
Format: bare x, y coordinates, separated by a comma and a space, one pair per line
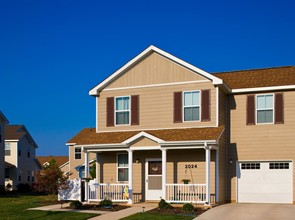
265, 182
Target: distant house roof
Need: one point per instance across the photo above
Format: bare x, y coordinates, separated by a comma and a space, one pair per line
3, 119
16, 132
89, 136
254, 78
60, 160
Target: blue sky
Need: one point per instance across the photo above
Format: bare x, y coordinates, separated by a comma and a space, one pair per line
53, 52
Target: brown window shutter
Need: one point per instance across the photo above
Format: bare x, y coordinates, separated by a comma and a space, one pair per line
135, 110
279, 108
177, 107
205, 105
110, 112
250, 110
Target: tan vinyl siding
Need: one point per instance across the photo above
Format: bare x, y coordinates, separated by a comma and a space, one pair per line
144, 142
222, 107
259, 142
156, 107
154, 69
76, 162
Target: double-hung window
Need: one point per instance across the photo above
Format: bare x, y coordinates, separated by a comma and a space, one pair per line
122, 108
265, 108
191, 106
7, 149
122, 165
77, 153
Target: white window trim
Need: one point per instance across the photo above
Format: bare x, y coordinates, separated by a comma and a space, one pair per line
115, 111
273, 109
117, 163
75, 153
191, 106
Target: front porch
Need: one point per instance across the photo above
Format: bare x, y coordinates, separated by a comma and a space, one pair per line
176, 193
155, 172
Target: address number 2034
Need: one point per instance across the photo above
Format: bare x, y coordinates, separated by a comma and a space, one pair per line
188, 166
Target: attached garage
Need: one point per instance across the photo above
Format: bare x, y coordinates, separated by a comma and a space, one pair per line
265, 182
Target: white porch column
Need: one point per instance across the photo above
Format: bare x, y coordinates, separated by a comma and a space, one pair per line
97, 170
86, 174
164, 172
208, 158
217, 175
130, 175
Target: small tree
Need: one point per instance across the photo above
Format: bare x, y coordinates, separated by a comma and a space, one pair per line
92, 171
50, 179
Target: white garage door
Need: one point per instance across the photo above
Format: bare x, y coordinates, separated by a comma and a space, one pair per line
265, 182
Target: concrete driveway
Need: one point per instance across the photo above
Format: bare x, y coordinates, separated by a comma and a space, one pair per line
237, 211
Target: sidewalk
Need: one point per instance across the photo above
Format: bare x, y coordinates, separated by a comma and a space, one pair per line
104, 215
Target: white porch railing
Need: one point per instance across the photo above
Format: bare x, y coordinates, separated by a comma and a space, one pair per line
101, 191
181, 193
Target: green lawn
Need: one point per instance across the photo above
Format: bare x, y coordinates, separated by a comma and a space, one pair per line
154, 216
15, 207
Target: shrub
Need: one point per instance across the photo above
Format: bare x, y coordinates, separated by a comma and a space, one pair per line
106, 202
164, 205
23, 188
188, 207
2, 190
75, 205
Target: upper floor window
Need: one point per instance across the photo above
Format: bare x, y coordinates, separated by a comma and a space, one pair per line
7, 149
122, 108
122, 165
265, 108
191, 106
77, 153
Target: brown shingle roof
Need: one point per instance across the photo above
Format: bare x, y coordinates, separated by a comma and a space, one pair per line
60, 160
276, 76
14, 132
89, 135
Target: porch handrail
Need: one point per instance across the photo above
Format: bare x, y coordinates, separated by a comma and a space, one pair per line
182, 193
112, 191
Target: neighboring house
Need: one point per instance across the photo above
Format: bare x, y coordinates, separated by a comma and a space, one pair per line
20, 156
62, 161
161, 122
3, 123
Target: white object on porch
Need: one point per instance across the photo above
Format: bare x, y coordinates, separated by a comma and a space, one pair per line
182, 193
101, 191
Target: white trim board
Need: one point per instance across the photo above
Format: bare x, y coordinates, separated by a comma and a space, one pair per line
158, 85
95, 91
262, 89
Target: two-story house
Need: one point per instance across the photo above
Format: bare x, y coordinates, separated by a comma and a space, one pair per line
3, 123
20, 156
167, 129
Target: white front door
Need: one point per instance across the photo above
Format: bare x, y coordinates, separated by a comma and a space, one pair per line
265, 182
153, 179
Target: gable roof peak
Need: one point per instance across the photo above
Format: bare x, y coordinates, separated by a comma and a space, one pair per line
95, 91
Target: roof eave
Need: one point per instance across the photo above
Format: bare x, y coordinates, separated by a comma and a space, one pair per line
262, 89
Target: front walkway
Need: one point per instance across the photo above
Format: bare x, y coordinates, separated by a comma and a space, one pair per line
245, 211
104, 215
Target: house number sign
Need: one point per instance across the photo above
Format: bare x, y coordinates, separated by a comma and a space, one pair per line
190, 166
